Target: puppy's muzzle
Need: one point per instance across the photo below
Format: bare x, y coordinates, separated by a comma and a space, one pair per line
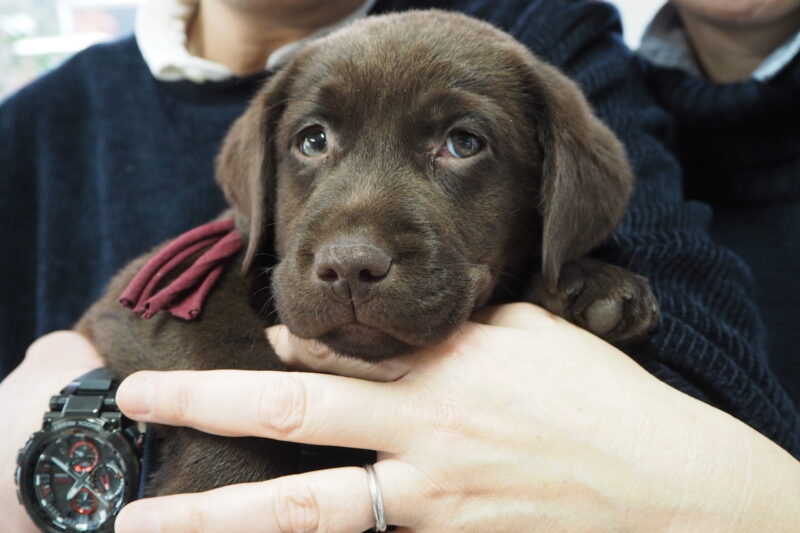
350, 272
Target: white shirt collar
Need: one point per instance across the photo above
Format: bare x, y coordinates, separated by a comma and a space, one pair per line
665, 44
160, 31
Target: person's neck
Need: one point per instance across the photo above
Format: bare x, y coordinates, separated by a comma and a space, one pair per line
243, 40
729, 52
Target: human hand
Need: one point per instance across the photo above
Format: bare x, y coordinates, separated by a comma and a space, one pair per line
50, 363
523, 424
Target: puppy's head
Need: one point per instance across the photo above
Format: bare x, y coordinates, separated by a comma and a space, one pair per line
409, 167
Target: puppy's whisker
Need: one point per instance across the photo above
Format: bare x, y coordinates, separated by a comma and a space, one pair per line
262, 289
266, 273
267, 306
266, 254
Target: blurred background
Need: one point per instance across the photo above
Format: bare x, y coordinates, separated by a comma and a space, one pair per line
37, 35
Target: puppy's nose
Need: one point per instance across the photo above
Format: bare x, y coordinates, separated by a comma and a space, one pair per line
351, 270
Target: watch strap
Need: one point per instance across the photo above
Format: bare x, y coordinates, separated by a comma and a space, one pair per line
91, 394
99, 380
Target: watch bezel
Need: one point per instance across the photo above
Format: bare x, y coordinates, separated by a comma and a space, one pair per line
115, 437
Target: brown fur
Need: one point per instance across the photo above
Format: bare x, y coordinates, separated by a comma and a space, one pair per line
513, 222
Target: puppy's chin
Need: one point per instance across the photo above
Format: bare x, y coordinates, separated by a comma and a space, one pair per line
364, 342
413, 309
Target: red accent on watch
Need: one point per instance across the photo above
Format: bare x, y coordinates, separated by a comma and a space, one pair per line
80, 509
95, 455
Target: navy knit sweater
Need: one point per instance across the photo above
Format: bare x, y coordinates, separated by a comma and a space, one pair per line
99, 162
740, 148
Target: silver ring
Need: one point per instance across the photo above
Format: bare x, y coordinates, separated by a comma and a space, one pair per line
377, 500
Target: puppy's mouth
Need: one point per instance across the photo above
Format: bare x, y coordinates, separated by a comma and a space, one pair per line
385, 326
417, 304
364, 342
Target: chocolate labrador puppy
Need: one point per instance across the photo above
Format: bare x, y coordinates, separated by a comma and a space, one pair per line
391, 179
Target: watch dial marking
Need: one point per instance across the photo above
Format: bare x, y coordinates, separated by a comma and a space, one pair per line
79, 480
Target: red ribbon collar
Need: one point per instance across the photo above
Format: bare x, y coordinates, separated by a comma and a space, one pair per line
183, 297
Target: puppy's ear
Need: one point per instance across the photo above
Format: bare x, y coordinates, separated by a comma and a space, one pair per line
586, 180
245, 167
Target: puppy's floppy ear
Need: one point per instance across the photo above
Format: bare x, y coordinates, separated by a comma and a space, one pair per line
586, 180
245, 167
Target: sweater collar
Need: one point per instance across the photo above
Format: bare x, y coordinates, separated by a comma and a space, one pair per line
738, 143
665, 44
161, 27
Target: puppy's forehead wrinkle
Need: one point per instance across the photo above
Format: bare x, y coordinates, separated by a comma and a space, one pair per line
378, 91
381, 63
290, 99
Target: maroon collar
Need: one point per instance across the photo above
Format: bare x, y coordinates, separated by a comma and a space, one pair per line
217, 242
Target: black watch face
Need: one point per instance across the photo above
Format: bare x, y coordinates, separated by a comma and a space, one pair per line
78, 481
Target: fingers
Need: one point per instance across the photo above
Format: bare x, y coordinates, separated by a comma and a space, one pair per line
336, 500
331, 501
310, 355
518, 316
289, 406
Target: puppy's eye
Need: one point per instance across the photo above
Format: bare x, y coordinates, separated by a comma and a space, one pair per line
313, 142
461, 144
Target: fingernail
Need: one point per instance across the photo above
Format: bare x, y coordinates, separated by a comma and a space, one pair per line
135, 395
138, 519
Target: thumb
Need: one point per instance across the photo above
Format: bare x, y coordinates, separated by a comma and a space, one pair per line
314, 356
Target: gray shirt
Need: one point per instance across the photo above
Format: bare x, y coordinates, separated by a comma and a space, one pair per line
666, 44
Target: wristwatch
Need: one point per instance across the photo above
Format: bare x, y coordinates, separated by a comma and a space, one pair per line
82, 467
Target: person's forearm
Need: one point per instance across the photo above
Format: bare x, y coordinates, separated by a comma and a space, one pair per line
51, 363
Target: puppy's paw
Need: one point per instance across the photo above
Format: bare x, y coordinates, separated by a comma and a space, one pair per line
609, 301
